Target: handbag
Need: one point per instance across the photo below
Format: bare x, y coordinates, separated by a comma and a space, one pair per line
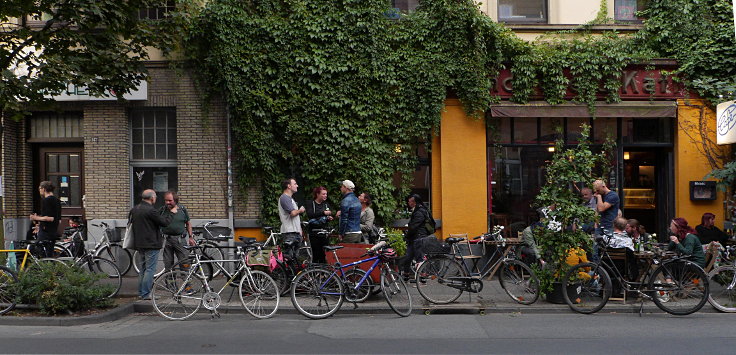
128, 238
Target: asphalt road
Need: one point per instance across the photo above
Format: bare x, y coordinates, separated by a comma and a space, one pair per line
384, 333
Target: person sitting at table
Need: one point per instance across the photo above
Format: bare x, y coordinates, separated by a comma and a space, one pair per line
708, 232
619, 238
685, 241
632, 229
529, 249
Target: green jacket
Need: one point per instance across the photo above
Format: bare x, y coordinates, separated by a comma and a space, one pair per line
690, 246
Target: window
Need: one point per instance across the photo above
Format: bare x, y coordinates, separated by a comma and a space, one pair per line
522, 11
405, 5
153, 152
625, 10
49, 126
157, 13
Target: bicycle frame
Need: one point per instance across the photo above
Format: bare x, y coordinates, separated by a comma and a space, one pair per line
483, 272
338, 267
196, 268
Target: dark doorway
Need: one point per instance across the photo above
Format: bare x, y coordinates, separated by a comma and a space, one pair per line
64, 167
647, 188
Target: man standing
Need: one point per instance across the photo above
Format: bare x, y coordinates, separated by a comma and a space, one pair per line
349, 214
607, 203
289, 211
174, 232
49, 219
421, 225
147, 240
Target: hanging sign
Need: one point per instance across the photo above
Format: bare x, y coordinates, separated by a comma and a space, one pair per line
726, 113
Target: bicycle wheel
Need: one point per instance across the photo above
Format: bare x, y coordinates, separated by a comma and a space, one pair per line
259, 294
61, 251
722, 284
395, 291
109, 275
118, 255
7, 296
138, 261
177, 295
281, 276
680, 287
214, 252
317, 293
434, 277
353, 292
519, 282
586, 288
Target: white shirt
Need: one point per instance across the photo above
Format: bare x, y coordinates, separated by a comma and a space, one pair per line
620, 240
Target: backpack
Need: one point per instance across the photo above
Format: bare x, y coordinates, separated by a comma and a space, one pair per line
429, 223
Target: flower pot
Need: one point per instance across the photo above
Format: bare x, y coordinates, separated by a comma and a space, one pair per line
556, 295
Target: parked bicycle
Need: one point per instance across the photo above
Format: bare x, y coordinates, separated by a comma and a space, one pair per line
178, 294
318, 293
676, 285
209, 246
722, 283
104, 248
442, 277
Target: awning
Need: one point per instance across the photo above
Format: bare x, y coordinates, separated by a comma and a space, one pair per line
645, 109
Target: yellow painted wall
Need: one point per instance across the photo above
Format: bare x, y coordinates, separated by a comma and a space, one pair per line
691, 165
459, 187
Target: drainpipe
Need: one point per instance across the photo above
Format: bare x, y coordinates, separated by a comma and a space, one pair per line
230, 209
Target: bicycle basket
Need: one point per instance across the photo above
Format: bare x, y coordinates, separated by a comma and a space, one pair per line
258, 257
432, 246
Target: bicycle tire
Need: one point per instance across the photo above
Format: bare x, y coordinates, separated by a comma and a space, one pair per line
61, 251
359, 295
433, 276
259, 294
396, 292
519, 281
39, 263
680, 287
281, 275
138, 260
214, 252
7, 296
117, 254
176, 295
317, 293
586, 288
722, 288
110, 276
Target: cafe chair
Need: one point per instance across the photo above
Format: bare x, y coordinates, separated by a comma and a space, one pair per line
621, 263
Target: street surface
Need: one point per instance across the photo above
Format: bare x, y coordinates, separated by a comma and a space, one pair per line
499, 333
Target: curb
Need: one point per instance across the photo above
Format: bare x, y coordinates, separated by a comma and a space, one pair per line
108, 316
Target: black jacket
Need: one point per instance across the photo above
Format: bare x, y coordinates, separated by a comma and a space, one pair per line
147, 223
417, 222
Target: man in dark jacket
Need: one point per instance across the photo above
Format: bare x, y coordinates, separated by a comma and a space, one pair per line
147, 239
421, 225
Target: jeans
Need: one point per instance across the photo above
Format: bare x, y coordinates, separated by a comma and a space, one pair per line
414, 251
292, 243
173, 247
145, 278
47, 247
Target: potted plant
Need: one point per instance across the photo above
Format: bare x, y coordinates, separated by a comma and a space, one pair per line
563, 212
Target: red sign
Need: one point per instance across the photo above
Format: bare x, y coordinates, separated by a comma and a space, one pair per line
636, 83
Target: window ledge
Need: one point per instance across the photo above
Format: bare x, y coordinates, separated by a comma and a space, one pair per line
531, 27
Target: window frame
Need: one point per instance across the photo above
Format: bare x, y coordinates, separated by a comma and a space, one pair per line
543, 20
152, 163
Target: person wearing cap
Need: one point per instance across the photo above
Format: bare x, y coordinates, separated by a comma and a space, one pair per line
349, 214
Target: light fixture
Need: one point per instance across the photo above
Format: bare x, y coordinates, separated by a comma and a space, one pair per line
626, 156
551, 149
397, 148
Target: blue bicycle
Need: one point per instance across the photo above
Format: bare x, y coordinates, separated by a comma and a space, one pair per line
319, 293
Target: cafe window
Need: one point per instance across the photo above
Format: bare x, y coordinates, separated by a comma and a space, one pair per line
625, 10
522, 11
153, 152
157, 13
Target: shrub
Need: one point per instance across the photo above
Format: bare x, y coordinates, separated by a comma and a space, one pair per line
57, 288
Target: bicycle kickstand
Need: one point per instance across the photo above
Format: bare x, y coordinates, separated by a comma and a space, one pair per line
641, 307
215, 314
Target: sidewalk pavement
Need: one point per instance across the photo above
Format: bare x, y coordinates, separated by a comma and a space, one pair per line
493, 299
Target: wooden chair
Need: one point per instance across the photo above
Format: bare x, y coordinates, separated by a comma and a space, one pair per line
621, 262
711, 255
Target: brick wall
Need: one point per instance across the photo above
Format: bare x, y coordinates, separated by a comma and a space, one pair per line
17, 170
106, 156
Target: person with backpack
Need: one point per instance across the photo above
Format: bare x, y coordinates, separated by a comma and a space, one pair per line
421, 225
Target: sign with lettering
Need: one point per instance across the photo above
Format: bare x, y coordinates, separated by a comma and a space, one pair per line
80, 93
726, 119
637, 82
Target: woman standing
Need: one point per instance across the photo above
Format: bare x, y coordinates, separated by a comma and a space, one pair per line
685, 241
367, 217
318, 212
708, 232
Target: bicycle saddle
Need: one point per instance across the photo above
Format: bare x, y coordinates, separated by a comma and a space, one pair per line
247, 240
333, 247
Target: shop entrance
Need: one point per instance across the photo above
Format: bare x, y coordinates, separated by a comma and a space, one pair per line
647, 188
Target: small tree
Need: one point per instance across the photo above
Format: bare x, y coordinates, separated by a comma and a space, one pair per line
561, 230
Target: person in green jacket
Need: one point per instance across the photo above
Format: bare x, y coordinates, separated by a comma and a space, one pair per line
685, 241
